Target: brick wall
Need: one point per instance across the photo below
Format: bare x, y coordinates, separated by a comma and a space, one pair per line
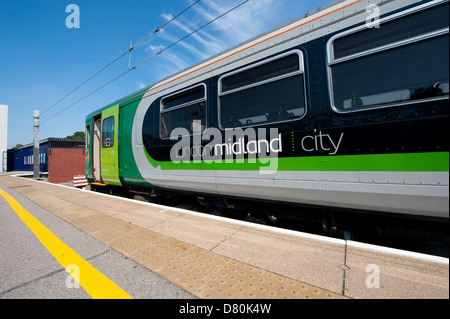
65, 163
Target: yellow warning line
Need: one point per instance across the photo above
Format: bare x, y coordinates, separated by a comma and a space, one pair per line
96, 284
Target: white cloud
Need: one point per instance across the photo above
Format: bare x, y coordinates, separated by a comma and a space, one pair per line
141, 85
167, 63
246, 21
212, 44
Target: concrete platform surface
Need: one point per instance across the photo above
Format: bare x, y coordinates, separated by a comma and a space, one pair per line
215, 257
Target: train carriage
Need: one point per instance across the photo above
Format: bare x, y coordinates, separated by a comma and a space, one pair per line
338, 109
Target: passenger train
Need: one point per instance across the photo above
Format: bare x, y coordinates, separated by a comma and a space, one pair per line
338, 110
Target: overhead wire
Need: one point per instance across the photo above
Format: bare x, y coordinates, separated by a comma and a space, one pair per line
97, 89
98, 72
118, 58
159, 28
195, 31
153, 56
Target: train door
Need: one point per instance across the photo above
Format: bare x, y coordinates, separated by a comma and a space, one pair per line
88, 150
96, 149
110, 146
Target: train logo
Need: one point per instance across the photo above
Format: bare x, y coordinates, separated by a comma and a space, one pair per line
240, 145
324, 142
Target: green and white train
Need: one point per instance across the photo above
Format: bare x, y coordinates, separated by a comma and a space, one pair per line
338, 109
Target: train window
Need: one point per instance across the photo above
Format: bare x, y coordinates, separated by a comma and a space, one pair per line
393, 31
268, 92
403, 61
88, 135
260, 73
108, 132
185, 109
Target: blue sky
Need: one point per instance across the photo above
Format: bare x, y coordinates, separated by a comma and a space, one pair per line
41, 59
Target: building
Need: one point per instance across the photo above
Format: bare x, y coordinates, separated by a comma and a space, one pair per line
3, 136
61, 158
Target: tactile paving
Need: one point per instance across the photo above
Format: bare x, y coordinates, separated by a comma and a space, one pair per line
199, 271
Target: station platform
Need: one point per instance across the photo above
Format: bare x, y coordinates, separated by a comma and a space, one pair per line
214, 257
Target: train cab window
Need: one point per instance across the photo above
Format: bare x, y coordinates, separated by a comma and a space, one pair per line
404, 60
185, 109
108, 132
267, 92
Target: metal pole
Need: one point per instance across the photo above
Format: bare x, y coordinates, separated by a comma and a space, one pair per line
36, 174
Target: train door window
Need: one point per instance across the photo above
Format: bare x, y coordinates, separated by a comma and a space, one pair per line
108, 132
403, 61
88, 135
185, 109
268, 92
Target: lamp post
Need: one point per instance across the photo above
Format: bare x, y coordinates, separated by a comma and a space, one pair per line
36, 174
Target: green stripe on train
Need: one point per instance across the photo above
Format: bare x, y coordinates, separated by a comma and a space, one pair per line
402, 162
